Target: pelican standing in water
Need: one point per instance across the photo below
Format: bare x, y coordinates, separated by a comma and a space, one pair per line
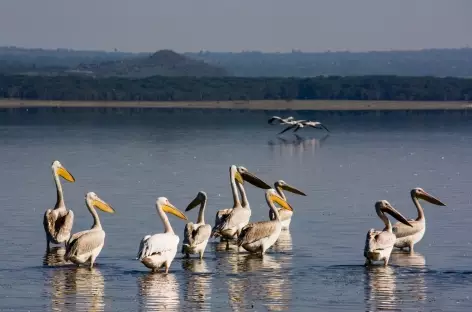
160, 249
379, 244
284, 214
58, 221
409, 236
196, 235
260, 236
85, 246
230, 224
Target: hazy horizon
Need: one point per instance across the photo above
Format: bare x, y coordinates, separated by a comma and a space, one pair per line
228, 26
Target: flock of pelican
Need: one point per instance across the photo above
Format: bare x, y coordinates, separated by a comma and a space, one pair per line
295, 125
232, 225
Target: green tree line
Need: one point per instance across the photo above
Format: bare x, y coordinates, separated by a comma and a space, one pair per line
233, 88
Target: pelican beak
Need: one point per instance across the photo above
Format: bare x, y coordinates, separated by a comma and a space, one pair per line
430, 199
194, 203
279, 200
103, 206
176, 212
61, 171
397, 215
238, 177
292, 189
251, 178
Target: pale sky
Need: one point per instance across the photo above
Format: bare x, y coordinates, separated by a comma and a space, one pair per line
236, 25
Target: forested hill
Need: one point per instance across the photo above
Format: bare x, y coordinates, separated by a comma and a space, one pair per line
232, 88
435, 62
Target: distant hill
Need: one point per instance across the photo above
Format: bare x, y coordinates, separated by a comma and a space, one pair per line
161, 63
432, 62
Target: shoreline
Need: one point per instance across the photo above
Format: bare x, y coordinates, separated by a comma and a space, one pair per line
276, 105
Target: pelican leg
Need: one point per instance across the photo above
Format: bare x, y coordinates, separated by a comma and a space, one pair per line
367, 262
411, 247
201, 254
167, 267
386, 261
48, 247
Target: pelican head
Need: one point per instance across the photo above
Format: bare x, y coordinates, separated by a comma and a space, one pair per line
383, 206
166, 206
201, 198
58, 168
419, 193
252, 178
98, 203
283, 185
273, 197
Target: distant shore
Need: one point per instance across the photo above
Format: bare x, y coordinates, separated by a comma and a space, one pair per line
322, 105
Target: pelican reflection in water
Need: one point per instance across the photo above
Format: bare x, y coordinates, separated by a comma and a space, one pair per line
158, 292
380, 288
298, 145
271, 286
77, 289
199, 279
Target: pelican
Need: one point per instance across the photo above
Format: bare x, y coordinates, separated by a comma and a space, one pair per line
379, 244
284, 121
58, 221
302, 123
196, 235
231, 223
85, 246
260, 236
284, 214
406, 236
240, 175
159, 249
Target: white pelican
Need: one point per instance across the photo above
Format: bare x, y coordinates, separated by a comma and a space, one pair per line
58, 221
285, 121
159, 249
409, 236
379, 244
284, 214
260, 236
230, 224
85, 246
196, 235
301, 124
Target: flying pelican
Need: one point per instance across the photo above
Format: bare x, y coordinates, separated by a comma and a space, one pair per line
284, 214
409, 236
301, 124
58, 221
159, 249
260, 236
85, 246
237, 177
379, 244
196, 235
284, 121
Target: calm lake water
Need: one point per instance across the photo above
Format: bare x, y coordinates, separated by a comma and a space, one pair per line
130, 159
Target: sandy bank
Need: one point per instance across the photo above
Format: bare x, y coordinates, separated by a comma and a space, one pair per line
250, 105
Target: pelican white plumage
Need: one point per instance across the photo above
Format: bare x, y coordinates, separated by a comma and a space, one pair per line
58, 222
196, 235
284, 121
160, 249
379, 244
302, 124
230, 224
260, 236
85, 246
284, 214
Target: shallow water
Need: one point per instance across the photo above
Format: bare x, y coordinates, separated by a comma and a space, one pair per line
131, 160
